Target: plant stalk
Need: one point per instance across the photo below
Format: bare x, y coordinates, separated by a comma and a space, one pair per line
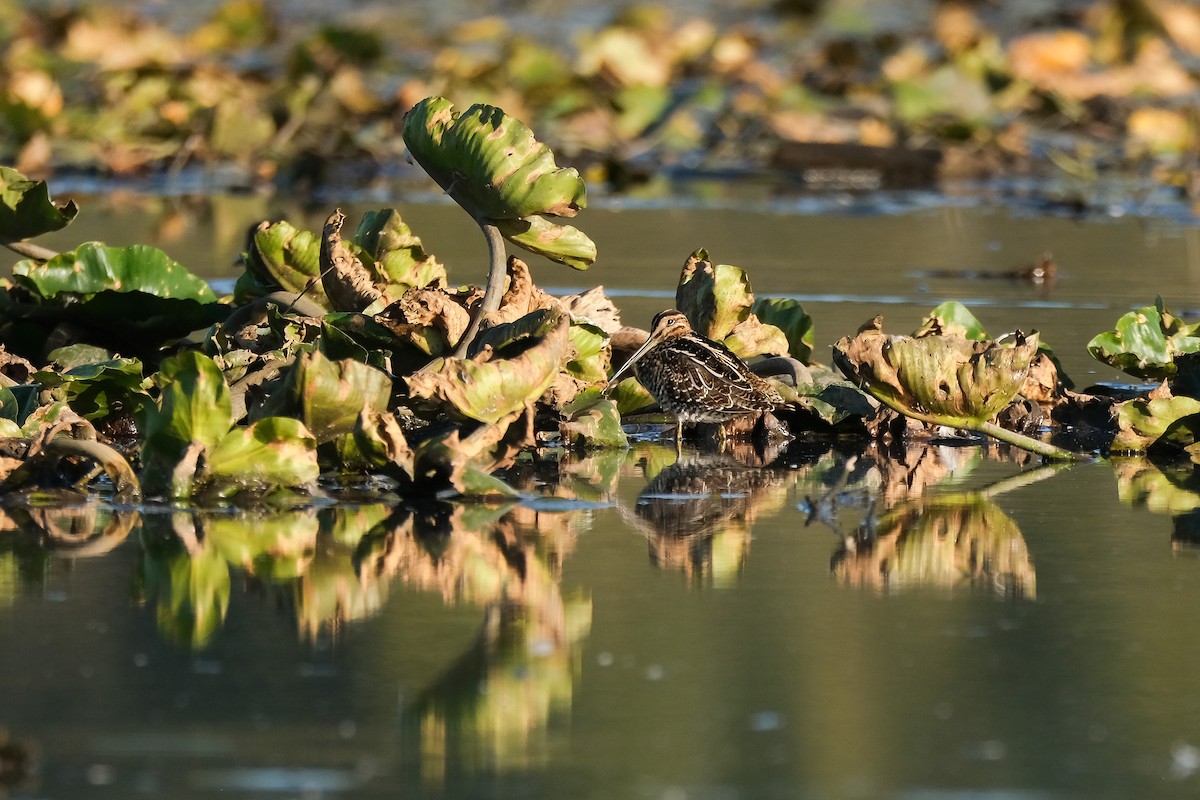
31, 250
495, 285
1044, 449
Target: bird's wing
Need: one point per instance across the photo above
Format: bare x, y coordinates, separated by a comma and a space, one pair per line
713, 372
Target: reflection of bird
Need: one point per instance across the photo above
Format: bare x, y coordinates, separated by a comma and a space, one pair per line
696, 379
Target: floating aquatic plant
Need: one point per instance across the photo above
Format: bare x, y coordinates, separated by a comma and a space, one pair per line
493, 167
943, 379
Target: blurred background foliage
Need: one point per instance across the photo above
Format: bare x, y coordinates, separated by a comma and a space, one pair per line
249, 93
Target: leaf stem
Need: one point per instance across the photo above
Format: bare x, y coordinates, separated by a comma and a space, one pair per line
122, 475
495, 285
1044, 449
31, 250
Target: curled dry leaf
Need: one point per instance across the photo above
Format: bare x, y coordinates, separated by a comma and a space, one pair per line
348, 282
432, 319
717, 300
520, 297
463, 461
946, 379
488, 388
594, 307
381, 439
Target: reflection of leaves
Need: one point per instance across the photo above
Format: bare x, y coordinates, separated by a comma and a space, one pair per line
946, 542
1164, 489
273, 547
490, 706
192, 586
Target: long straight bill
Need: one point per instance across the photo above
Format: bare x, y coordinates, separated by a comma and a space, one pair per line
628, 365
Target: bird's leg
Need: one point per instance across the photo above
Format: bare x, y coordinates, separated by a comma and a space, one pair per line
678, 439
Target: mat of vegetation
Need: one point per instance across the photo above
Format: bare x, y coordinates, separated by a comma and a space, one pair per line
346, 352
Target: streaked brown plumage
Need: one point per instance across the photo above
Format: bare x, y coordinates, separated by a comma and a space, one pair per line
694, 378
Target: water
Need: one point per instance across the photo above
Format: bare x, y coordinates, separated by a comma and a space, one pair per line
709, 629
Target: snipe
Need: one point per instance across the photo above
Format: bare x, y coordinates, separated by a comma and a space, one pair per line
694, 378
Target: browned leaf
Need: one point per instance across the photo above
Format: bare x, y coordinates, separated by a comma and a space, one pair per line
348, 283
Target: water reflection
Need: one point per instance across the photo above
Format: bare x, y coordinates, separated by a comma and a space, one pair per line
946, 542
1172, 489
31, 537
697, 513
914, 533
491, 708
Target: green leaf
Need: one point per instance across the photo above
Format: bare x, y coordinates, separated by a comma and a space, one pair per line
192, 589
17, 403
401, 257
93, 268
474, 482
195, 406
593, 420
489, 390
791, 318
489, 162
1146, 342
591, 359
77, 355
948, 379
9, 409
1158, 418
272, 452
954, 318
562, 244
95, 390
26, 210
630, 396
717, 300
327, 396
284, 256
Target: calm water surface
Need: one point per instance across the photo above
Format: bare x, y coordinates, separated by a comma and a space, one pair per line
942, 622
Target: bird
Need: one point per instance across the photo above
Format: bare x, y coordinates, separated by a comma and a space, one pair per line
693, 378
